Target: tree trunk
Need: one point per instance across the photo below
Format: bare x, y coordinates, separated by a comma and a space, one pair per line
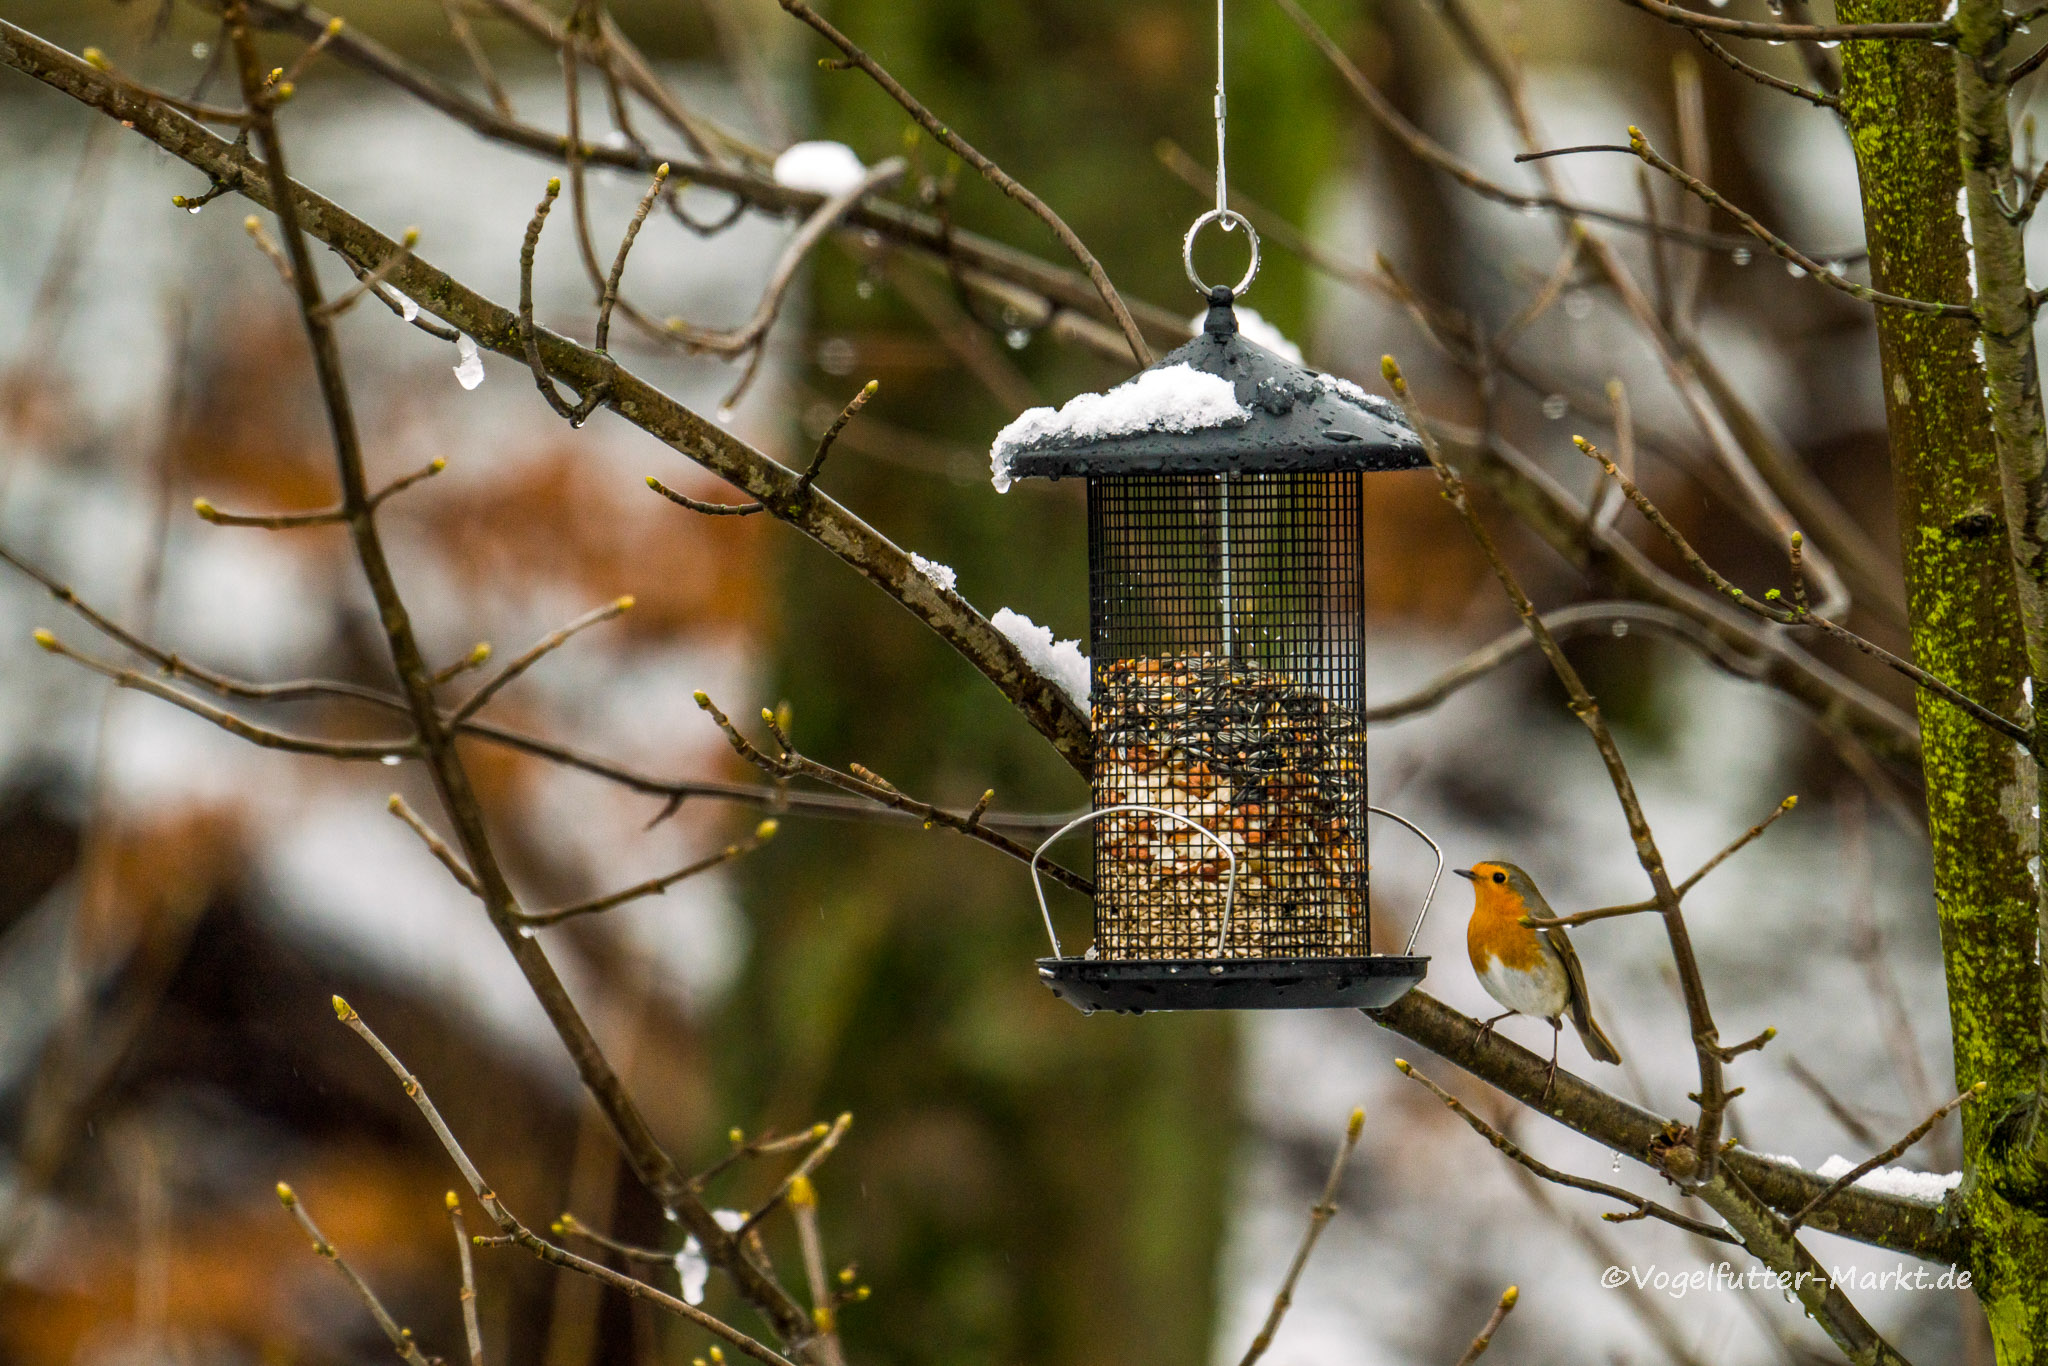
1899, 102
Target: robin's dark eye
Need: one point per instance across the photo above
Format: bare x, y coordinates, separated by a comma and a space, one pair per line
1500, 877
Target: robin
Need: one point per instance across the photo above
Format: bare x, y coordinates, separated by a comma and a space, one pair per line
1530, 971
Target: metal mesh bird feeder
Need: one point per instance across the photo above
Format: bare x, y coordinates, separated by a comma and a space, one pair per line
1226, 497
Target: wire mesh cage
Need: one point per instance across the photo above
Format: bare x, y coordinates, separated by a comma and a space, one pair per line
1226, 524
1229, 680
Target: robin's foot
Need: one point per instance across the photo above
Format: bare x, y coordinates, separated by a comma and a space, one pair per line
1486, 1026
1550, 1076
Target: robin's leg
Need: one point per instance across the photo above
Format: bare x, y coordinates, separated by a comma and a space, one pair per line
1550, 1077
1486, 1026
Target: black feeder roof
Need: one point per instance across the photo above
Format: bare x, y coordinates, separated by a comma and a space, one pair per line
1302, 421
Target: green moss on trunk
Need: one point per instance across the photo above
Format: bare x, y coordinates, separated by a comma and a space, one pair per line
1899, 101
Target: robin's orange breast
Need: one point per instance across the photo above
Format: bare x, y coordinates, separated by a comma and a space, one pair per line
1497, 935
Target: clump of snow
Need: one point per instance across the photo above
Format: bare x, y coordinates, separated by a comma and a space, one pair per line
1256, 330
1337, 385
1061, 661
469, 365
407, 309
944, 575
1173, 398
691, 1268
1912, 1185
820, 167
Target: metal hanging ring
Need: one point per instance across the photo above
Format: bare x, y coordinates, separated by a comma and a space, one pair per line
1231, 220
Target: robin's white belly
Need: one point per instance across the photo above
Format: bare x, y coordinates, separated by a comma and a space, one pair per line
1543, 992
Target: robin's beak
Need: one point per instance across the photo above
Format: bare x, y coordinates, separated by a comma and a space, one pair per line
1467, 874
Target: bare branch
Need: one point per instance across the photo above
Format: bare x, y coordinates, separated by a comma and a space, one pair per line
1634, 907
763, 832
1641, 1206
579, 412
821, 1150
1713, 1092
1873, 1217
1319, 1216
399, 1337
479, 61
256, 735
472, 1332
1869, 1165
1787, 33
285, 521
435, 845
862, 783
372, 280
821, 221
1800, 616
994, 174
1765, 78
533, 655
1508, 1300
1640, 147
517, 1233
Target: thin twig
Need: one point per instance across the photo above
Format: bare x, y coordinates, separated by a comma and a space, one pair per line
1765, 78
263, 736
1508, 1300
399, 1337
406, 481
579, 412
276, 521
1712, 1093
744, 1149
748, 336
536, 652
763, 832
821, 1150
436, 846
862, 783
611, 281
1795, 616
479, 60
1641, 1207
994, 174
374, 280
803, 1209
472, 1332
1319, 1216
517, 1233
1786, 33
573, 1227
1634, 907
1869, 1165
1639, 146
1851, 1122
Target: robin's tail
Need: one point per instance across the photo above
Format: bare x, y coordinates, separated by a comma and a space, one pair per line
1597, 1043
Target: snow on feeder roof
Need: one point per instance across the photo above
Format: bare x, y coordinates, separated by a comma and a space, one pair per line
1220, 404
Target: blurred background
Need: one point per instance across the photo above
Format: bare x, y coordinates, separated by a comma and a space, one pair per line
1020, 1184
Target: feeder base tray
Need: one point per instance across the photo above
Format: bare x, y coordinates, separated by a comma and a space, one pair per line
1134, 986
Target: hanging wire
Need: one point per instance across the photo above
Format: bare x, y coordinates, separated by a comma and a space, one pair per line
1222, 213
1222, 186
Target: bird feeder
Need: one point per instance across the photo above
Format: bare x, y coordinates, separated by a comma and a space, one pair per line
1227, 584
